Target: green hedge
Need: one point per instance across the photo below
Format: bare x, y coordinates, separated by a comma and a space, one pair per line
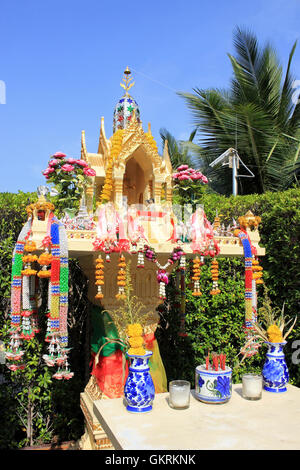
214, 323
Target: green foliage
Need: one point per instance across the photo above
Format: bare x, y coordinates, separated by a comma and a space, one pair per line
215, 323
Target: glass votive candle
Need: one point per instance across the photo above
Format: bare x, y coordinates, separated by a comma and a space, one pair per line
179, 394
252, 386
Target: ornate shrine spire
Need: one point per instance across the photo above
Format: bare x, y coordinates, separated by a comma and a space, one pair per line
126, 106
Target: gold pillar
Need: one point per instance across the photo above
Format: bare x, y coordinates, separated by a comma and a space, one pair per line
157, 193
169, 193
118, 187
89, 194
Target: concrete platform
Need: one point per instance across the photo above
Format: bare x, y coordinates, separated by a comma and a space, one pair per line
270, 423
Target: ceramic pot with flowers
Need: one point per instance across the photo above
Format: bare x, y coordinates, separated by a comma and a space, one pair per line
275, 372
139, 390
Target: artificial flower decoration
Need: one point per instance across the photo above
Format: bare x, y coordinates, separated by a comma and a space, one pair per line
70, 177
185, 173
273, 322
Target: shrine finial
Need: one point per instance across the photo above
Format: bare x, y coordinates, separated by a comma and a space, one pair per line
127, 79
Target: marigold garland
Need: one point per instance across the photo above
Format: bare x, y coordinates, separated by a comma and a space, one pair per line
215, 276
197, 263
257, 271
44, 260
121, 278
30, 246
29, 258
99, 277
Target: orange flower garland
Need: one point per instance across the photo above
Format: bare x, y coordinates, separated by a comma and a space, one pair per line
257, 271
121, 279
30, 246
27, 259
99, 276
44, 260
215, 276
197, 263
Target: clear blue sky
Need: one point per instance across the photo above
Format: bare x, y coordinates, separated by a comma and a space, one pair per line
62, 62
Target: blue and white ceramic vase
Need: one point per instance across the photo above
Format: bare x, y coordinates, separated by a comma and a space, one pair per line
213, 386
139, 388
275, 372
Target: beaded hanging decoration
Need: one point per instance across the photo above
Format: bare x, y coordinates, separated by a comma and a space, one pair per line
251, 345
24, 322
15, 353
57, 334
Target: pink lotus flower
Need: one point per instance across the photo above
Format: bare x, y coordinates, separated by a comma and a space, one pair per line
59, 155
67, 167
89, 172
81, 163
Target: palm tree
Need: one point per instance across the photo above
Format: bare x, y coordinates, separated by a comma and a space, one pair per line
178, 150
256, 115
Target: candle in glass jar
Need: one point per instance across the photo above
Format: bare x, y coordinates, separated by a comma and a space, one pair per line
252, 386
179, 391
